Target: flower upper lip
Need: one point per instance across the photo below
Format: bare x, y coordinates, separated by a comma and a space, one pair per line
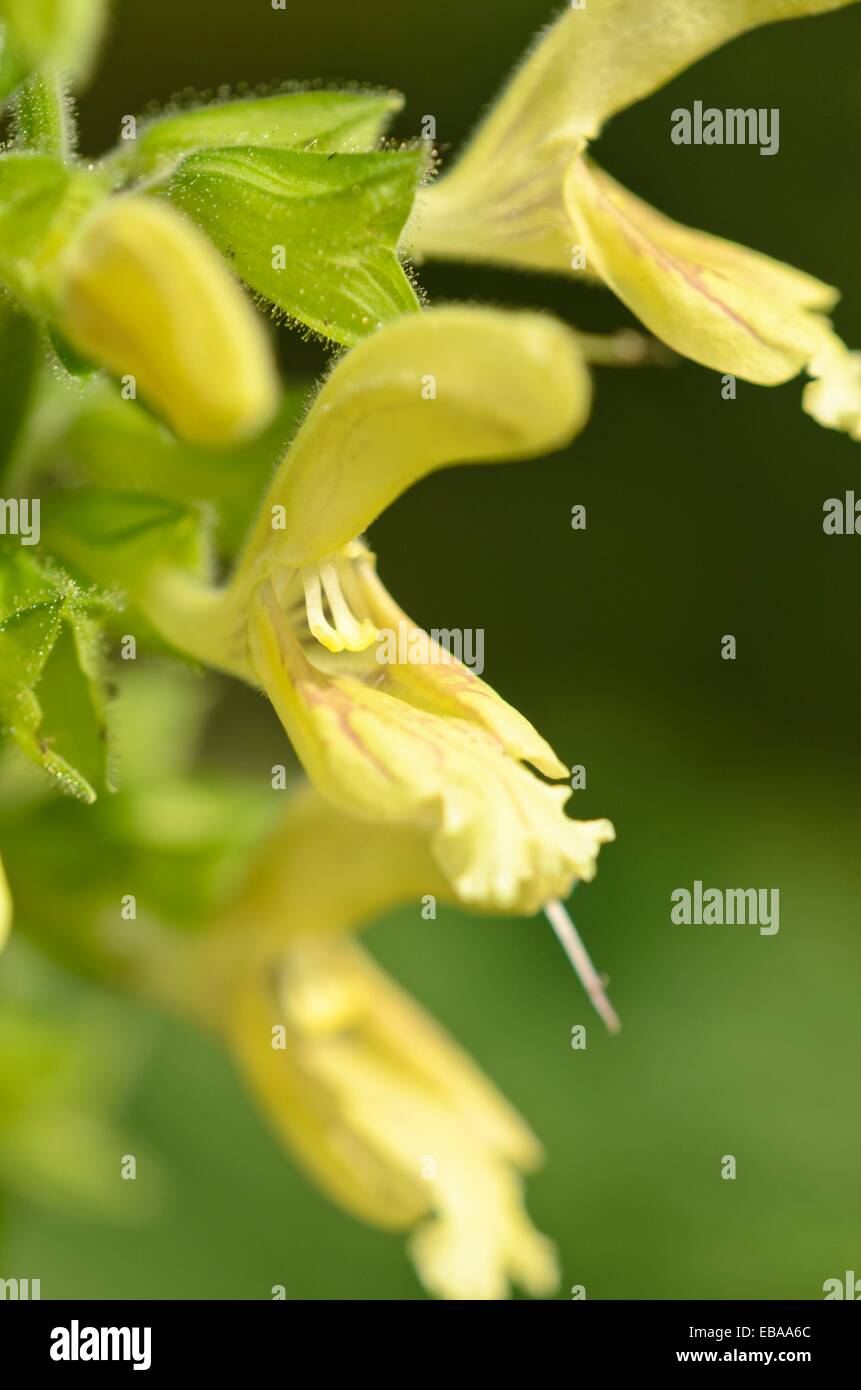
451, 385
524, 194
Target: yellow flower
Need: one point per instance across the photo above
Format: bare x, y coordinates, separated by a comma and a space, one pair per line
142, 292
392, 1119
427, 744
5, 908
526, 194
380, 1106
417, 737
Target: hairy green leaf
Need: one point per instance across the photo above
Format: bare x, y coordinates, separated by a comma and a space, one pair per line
52, 701
319, 121
315, 234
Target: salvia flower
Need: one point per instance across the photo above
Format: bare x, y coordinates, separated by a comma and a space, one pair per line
526, 193
393, 1120
424, 741
382, 1108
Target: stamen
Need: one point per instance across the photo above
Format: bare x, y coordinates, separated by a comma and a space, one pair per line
351, 565
571, 943
317, 620
356, 636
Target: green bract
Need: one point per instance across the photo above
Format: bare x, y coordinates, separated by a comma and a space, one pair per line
320, 121
52, 699
293, 193
287, 188
315, 234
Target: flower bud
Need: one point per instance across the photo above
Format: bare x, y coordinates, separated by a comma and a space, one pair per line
143, 293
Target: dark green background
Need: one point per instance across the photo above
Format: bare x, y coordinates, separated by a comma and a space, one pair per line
704, 518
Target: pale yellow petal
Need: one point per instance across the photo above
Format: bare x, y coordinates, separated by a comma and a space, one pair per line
400, 1033
512, 213
142, 292
725, 307
488, 1244
452, 385
392, 1118
502, 200
498, 833
445, 686
322, 871
308, 1118
595, 61
833, 398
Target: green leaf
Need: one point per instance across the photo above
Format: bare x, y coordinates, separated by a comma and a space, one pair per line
319, 121
186, 844
52, 700
111, 441
182, 832
316, 234
116, 538
60, 33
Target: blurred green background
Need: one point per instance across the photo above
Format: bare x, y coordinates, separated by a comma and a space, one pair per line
704, 518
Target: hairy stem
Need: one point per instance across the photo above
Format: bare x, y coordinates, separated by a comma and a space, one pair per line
44, 115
